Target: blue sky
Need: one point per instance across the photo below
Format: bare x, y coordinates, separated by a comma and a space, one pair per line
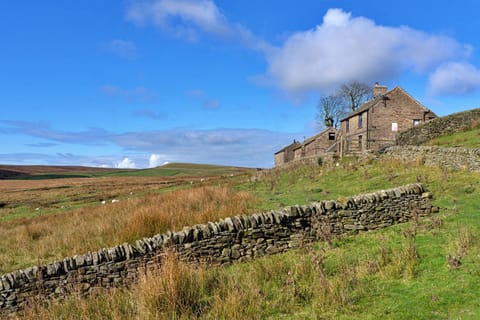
140, 83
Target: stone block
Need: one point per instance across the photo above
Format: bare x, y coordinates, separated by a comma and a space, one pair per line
354, 227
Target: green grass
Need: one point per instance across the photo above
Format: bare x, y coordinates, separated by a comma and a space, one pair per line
469, 138
153, 172
308, 183
372, 275
54, 176
169, 170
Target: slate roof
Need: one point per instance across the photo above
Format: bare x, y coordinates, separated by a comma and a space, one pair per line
367, 105
313, 138
294, 144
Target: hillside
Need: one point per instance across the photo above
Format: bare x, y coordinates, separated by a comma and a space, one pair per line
45, 172
56, 172
426, 269
468, 138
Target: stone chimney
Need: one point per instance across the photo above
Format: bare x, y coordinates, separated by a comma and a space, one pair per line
379, 90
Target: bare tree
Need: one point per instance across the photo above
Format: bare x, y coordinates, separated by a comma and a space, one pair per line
335, 107
355, 94
331, 109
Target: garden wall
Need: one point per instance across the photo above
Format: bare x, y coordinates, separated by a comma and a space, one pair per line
231, 239
450, 158
437, 127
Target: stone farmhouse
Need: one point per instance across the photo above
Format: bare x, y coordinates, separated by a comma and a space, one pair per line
373, 126
316, 145
377, 123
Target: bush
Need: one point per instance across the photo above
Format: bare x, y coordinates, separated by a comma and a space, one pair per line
320, 161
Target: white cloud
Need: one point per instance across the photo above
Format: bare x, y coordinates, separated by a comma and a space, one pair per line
454, 78
238, 147
156, 160
183, 18
125, 163
345, 48
187, 19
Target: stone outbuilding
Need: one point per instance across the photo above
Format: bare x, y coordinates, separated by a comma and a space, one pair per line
377, 123
286, 154
316, 145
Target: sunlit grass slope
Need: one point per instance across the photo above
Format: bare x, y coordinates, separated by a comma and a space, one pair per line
469, 138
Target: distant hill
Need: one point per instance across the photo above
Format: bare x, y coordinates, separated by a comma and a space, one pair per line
26, 171
56, 172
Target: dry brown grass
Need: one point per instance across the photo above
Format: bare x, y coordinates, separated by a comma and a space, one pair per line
43, 239
55, 193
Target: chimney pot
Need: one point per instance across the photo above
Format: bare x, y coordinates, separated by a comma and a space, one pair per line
379, 90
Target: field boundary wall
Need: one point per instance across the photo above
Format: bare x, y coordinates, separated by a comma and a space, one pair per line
232, 239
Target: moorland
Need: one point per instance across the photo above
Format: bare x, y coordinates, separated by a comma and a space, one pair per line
418, 270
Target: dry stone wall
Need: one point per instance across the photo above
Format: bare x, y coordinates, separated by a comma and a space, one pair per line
450, 158
438, 127
231, 239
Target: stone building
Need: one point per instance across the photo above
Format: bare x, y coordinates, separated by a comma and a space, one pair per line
316, 145
376, 123
373, 126
286, 154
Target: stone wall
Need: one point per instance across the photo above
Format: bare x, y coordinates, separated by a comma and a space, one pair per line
438, 127
451, 158
231, 239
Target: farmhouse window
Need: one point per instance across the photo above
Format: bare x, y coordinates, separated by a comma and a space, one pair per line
416, 122
360, 138
360, 120
347, 126
331, 136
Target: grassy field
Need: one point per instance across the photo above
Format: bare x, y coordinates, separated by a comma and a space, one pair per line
420, 270
65, 172
425, 269
36, 195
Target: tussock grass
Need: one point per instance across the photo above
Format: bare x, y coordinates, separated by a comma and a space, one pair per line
43, 239
401, 272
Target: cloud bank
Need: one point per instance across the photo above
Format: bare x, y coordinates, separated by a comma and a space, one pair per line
345, 48
342, 48
236, 147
